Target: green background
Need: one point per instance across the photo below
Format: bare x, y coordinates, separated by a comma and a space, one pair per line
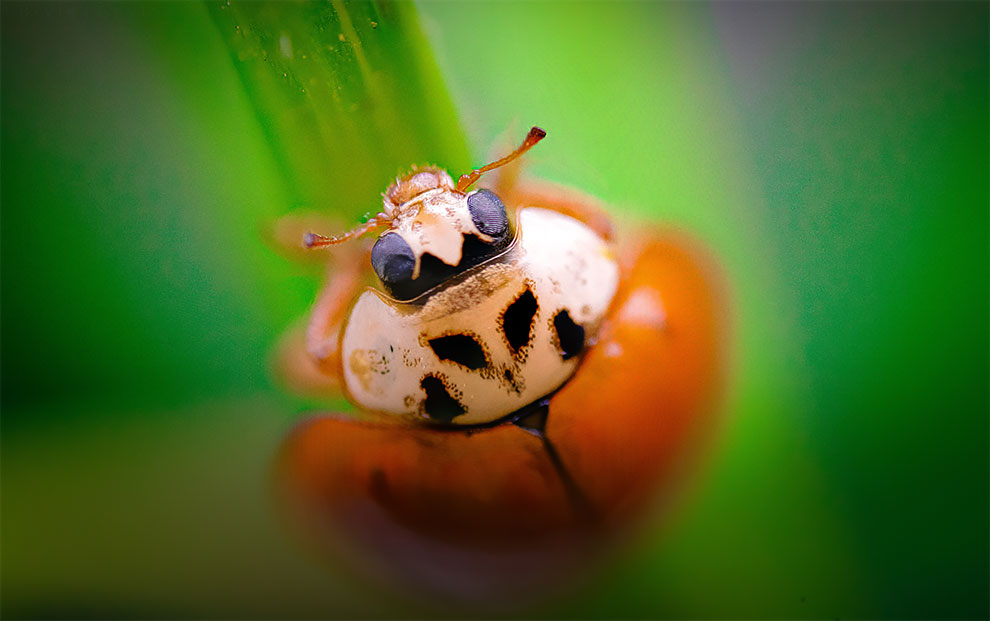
834, 157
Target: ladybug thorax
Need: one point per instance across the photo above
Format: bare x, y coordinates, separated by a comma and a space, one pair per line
489, 341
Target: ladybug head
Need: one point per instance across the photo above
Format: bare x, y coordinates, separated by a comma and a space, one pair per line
436, 230
414, 184
423, 251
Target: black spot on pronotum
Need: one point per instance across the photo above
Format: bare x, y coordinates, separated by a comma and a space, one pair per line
517, 320
569, 334
462, 349
439, 405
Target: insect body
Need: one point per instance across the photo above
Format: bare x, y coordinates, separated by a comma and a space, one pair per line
495, 339
493, 316
539, 385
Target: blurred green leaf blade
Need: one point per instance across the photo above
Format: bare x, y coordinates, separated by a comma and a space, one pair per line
345, 94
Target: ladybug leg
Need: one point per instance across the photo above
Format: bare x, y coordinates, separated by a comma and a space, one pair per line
345, 277
307, 357
297, 371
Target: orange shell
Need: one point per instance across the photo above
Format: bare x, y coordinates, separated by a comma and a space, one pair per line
483, 512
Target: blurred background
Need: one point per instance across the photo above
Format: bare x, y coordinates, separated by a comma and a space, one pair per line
833, 157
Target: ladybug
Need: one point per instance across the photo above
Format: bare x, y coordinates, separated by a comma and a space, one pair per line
527, 388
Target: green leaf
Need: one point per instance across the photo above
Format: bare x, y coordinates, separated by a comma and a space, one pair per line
346, 94
153, 168
146, 148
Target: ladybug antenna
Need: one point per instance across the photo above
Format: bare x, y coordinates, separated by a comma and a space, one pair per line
535, 135
315, 240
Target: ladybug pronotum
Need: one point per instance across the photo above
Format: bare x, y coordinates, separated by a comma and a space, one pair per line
529, 386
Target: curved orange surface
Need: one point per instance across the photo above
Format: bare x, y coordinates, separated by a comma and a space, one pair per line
488, 509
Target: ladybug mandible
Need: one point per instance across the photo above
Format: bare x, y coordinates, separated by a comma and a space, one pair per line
528, 386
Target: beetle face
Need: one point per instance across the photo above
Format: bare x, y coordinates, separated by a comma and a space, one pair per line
489, 340
436, 235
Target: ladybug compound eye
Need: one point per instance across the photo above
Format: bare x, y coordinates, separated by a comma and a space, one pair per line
488, 214
393, 260
395, 263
